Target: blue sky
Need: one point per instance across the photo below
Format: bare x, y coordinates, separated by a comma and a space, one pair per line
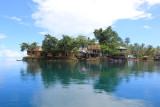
28, 21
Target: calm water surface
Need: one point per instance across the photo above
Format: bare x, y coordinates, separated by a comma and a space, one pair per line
81, 84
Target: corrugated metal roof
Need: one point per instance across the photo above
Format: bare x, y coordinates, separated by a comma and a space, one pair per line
121, 48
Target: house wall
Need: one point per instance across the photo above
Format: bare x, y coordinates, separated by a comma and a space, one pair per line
89, 51
93, 51
34, 53
38, 54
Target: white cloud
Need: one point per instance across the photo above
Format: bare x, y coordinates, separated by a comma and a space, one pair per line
42, 33
24, 23
83, 16
19, 20
11, 53
147, 27
8, 53
153, 2
14, 18
24, 53
2, 36
0, 53
73, 98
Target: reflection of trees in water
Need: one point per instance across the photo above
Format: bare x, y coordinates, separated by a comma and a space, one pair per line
65, 73
139, 68
109, 78
32, 70
104, 76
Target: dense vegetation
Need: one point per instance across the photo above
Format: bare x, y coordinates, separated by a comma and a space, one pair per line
108, 39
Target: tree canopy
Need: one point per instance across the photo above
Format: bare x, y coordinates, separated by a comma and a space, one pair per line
81, 41
66, 44
27, 46
108, 39
49, 44
127, 41
107, 36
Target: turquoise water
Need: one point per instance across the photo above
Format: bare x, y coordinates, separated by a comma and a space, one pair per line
81, 84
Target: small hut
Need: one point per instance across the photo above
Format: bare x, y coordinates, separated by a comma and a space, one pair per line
157, 57
145, 57
121, 49
93, 50
121, 54
36, 52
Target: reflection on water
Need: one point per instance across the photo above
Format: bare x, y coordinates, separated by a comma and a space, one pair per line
91, 84
82, 96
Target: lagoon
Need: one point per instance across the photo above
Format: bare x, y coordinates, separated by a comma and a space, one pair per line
79, 84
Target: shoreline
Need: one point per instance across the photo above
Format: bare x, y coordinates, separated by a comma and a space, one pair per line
70, 59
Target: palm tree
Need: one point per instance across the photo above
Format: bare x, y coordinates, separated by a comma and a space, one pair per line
127, 41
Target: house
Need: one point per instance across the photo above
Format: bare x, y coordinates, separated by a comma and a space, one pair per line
121, 49
121, 54
36, 52
145, 57
157, 57
93, 51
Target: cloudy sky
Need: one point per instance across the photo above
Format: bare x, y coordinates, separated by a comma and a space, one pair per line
28, 21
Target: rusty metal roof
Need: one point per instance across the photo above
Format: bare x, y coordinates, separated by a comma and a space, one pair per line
94, 47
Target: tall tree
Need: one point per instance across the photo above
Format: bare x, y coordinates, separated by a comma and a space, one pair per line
27, 46
91, 41
107, 36
158, 48
127, 41
49, 44
150, 51
66, 44
108, 39
81, 41
109, 49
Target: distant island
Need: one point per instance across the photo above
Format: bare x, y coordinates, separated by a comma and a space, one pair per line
106, 44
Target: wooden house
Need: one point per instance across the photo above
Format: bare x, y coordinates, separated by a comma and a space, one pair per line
35, 53
157, 57
145, 57
121, 54
93, 51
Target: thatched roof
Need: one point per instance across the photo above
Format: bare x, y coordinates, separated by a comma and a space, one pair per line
94, 47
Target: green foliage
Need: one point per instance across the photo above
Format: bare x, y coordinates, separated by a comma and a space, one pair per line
33, 45
81, 41
109, 49
66, 44
24, 46
49, 44
27, 46
140, 50
75, 49
91, 41
107, 36
108, 40
127, 41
